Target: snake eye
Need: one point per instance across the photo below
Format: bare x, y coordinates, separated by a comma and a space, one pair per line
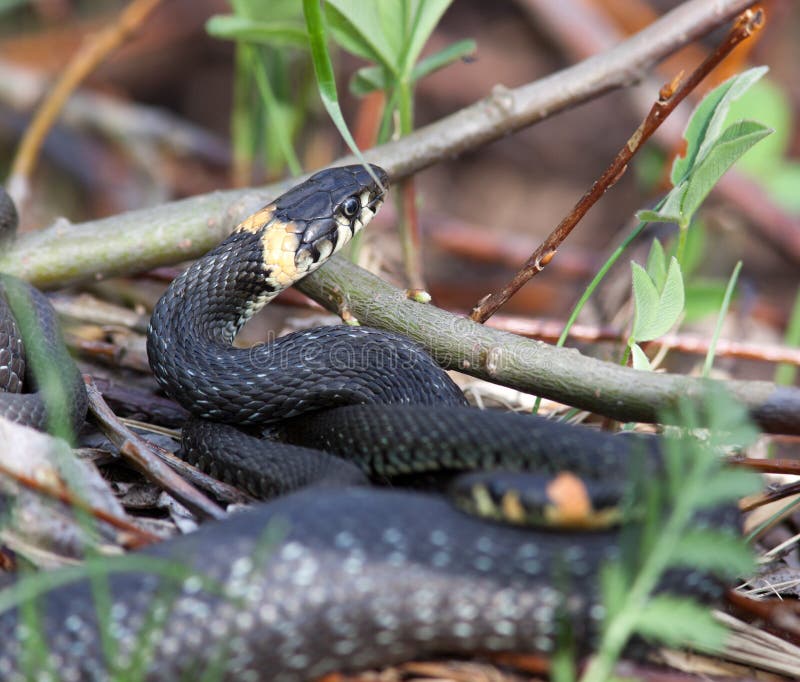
350, 206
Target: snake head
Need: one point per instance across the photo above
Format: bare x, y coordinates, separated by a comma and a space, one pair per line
329, 208
312, 221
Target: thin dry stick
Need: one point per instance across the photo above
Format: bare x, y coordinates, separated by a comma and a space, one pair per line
754, 501
219, 489
138, 536
93, 52
787, 467
137, 451
670, 96
550, 331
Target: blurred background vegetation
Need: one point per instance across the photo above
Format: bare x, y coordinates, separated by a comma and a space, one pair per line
210, 94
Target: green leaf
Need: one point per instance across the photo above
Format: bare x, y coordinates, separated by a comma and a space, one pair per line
713, 551
708, 118
284, 34
640, 359
672, 298
727, 485
357, 27
723, 311
722, 154
325, 78
677, 620
274, 10
767, 103
426, 14
670, 211
728, 420
656, 312
645, 298
444, 57
657, 264
370, 78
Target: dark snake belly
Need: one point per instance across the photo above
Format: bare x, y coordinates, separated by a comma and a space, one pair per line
330, 579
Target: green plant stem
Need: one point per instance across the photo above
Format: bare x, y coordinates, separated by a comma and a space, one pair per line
591, 288
405, 198
683, 231
601, 273
785, 374
769, 522
626, 354
623, 624
723, 311
242, 128
275, 115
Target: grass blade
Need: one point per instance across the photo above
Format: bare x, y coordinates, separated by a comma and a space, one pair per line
723, 311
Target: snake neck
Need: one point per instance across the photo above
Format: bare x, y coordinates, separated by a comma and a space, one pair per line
194, 324
203, 310
213, 299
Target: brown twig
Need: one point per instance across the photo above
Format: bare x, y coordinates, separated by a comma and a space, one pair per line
139, 404
583, 31
669, 97
781, 493
92, 53
138, 536
140, 454
767, 466
782, 614
219, 489
550, 331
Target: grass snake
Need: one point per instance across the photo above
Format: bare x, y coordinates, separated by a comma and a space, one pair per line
338, 576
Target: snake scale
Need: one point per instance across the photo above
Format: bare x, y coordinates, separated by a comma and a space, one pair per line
338, 576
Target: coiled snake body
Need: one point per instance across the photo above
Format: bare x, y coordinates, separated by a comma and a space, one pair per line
339, 576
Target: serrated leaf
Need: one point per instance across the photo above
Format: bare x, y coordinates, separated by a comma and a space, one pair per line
724, 152
713, 551
730, 484
665, 307
444, 57
265, 33
670, 304
657, 264
678, 620
645, 298
708, 119
640, 359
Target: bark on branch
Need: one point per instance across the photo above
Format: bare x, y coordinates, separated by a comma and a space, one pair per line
560, 374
